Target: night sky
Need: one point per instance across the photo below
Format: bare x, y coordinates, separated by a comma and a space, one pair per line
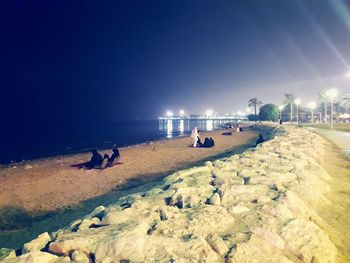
109, 60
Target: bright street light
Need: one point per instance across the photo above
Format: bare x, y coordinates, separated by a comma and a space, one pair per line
297, 102
312, 106
169, 114
332, 93
248, 110
182, 113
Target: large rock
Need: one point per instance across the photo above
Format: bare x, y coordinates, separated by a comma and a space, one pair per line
37, 244
7, 253
38, 257
308, 242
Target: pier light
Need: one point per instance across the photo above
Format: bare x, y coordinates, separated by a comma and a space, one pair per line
332, 93
297, 102
169, 114
182, 113
312, 105
209, 113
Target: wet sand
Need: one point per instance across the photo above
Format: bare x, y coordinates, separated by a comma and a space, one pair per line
50, 184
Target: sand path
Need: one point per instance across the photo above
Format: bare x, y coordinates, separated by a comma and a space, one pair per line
52, 183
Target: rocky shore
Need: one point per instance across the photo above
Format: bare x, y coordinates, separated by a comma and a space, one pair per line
259, 206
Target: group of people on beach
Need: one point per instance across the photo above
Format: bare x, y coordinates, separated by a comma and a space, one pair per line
196, 140
97, 162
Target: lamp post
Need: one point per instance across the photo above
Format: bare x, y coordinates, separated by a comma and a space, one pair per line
280, 108
297, 102
312, 106
332, 93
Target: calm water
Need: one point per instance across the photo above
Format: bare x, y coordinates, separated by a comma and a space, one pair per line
25, 141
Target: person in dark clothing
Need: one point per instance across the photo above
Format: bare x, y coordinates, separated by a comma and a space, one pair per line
104, 161
212, 141
259, 140
207, 143
114, 157
281, 122
199, 143
95, 161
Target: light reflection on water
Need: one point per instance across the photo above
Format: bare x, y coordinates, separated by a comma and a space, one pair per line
173, 128
169, 129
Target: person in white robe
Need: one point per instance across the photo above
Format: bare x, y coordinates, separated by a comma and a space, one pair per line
194, 136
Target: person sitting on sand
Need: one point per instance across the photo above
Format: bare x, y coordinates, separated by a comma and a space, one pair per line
95, 161
207, 143
104, 161
194, 136
114, 157
259, 140
212, 141
199, 143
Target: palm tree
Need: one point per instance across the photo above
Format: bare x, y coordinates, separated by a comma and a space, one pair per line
345, 101
254, 102
290, 98
322, 97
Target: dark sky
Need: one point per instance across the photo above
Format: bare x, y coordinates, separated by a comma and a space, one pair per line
102, 60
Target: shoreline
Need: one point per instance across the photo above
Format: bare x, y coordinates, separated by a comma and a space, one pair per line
48, 184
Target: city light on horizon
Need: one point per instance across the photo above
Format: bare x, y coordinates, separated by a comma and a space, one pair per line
209, 113
169, 114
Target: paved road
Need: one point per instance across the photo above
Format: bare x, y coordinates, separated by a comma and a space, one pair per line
342, 139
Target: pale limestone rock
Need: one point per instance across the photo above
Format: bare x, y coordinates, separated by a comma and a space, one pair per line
215, 199
7, 253
257, 250
234, 210
39, 257
269, 236
37, 244
217, 244
81, 257
306, 240
86, 223
98, 211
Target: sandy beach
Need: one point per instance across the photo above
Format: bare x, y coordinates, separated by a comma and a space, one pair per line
49, 184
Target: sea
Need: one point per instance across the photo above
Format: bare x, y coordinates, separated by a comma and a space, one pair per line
23, 141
